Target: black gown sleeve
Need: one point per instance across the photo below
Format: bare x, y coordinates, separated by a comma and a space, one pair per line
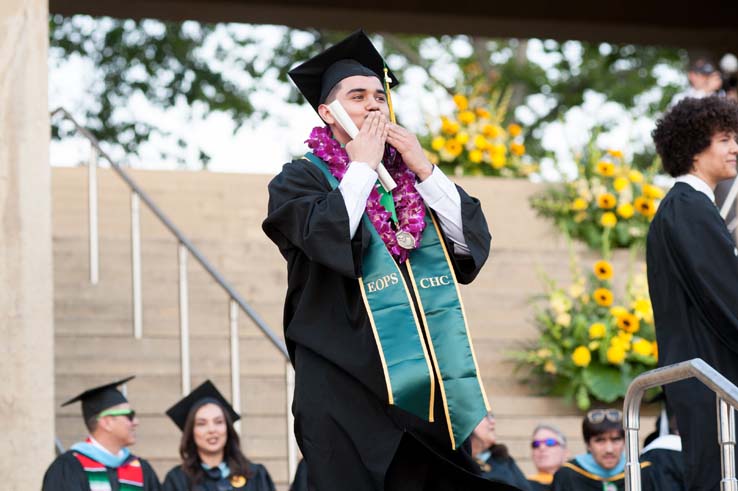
175, 480
261, 481
305, 214
65, 474
704, 257
476, 236
151, 480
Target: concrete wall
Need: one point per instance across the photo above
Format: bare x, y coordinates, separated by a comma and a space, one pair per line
222, 213
26, 324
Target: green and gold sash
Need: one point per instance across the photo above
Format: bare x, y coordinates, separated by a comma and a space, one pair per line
408, 372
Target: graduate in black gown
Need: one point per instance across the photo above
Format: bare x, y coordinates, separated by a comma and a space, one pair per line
493, 458
210, 447
372, 365
693, 271
663, 449
602, 468
103, 462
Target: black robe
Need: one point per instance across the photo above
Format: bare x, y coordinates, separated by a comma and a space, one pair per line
693, 282
177, 480
669, 465
67, 474
345, 428
504, 469
538, 485
571, 477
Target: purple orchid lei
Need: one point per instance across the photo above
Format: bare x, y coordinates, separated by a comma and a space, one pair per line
408, 203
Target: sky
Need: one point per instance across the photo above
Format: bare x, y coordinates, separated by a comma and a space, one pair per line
266, 146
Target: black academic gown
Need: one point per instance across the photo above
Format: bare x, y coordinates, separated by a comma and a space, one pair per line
693, 282
345, 428
571, 477
669, 464
538, 485
504, 469
177, 480
67, 474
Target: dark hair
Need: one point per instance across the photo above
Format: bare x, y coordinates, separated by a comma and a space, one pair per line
232, 455
591, 430
91, 424
499, 451
688, 127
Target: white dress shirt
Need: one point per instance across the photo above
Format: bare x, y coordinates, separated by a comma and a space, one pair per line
438, 192
697, 184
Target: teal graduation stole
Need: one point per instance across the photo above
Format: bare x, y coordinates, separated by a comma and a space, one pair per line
408, 372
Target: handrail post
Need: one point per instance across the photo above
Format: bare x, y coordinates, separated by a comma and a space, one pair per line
184, 320
136, 265
93, 215
235, 361
726, 436
631, 425
291, 441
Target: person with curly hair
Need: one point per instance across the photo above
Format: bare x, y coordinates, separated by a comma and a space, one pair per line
693, 271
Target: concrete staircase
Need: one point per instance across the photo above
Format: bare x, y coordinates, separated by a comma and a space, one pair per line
222, 214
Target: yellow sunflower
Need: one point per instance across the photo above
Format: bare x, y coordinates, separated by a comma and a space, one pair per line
645, 206
635, 176
461, 102
482, 113
514, 130
438, 143
517, 149
603, 297
625, 210
597, 330
467, 117
579, 204
581, 356
629, 323
608, 220
606, 201
643, 347
603, 270
481, 142
453, 147
653, 192
476, 156
616, 355
605, 168
620, 183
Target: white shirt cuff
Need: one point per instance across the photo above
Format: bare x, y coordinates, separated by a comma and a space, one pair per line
355, 187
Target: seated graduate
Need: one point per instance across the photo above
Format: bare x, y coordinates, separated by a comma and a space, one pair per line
210, 447
549, 452
663, 448
495, 463
103, 462
602, 468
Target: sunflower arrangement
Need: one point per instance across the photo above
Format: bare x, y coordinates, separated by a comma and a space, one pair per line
590, 346
610, 204
475, 140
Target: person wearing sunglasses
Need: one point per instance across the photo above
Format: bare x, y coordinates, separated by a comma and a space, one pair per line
548, 452
495, 462
103, 462
602, 467
210, 448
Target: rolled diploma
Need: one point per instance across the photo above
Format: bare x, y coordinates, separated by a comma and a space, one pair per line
348, 125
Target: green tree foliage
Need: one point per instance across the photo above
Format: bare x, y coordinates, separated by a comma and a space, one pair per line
206, 68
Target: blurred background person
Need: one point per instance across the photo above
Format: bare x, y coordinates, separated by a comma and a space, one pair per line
103, 461
210, 447
602, 467
494, 460
548, 452
704, 80
663, 448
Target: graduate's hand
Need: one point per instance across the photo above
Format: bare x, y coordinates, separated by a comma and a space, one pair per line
412, 153
368, 146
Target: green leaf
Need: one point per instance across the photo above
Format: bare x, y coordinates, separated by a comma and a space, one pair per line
605, 383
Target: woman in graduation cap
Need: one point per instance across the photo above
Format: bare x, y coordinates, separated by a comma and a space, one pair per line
210, 447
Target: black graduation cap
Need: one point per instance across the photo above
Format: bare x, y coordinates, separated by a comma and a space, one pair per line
203, 394
355, 55
98, 399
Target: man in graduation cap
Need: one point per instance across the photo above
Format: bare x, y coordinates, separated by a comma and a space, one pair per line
387, 388
693, 271
103, 462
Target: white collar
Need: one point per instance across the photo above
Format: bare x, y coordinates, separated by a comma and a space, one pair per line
667, 442
697, 184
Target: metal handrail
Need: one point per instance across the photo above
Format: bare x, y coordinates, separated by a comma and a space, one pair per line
727, 400
184, 248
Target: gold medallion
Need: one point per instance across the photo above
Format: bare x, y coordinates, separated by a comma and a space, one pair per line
238, 481
405, 240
